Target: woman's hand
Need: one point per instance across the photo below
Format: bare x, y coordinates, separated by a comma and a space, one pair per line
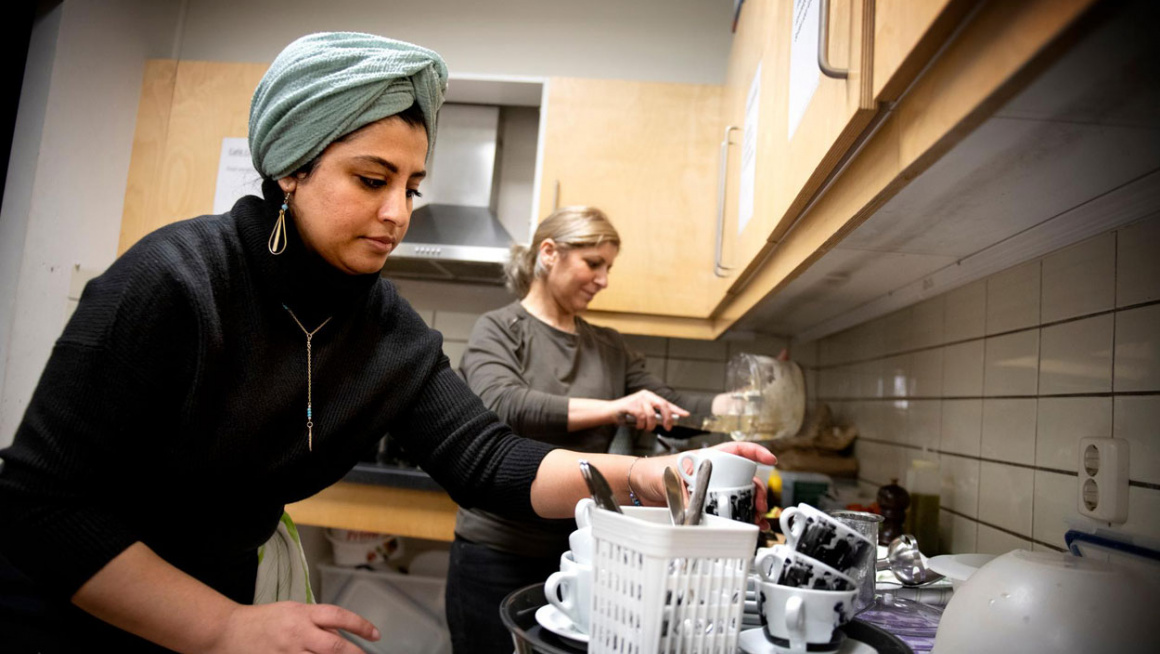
292, 627
641, 409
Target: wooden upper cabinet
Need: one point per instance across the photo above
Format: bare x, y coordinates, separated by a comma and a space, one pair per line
746, 97
800, 121
647, 155
907, 34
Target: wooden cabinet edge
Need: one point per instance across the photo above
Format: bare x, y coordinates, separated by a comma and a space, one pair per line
886, 165
382, 509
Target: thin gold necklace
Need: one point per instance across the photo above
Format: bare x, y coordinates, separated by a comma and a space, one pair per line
309, 381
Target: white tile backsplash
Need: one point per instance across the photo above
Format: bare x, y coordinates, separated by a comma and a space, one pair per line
1013, 299
1009, 430
962, 422
1076, 357
1137, 357
454, 351
1011, 365
1001, 378
926, 373
652, 346
963, 534
655, 365
896, 376
993, 541
965, 314
963, 369
1080, 280
960, 484
1056, 503
1005, 496
454, 325
898, 331
696, 375
1143, 512
924, 423
1136, 419
769, 346
928, 322
1062, 422
684, 348
1137, 266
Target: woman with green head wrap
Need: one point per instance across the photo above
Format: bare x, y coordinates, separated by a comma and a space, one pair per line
228, 365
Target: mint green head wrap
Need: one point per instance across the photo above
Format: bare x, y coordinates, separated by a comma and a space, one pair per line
325, 86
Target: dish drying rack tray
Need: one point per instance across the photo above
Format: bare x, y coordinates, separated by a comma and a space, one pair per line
659, 588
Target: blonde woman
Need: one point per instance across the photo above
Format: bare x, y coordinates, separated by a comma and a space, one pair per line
552, 376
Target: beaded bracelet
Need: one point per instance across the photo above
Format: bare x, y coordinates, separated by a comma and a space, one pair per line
632, 495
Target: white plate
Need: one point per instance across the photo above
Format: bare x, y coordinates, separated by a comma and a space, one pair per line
753, 641
553, 620
958, 567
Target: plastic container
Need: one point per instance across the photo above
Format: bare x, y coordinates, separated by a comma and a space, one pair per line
661, 588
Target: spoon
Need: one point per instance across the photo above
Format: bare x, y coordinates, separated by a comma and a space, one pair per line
907, 562
598, 486
676, 495
696, 508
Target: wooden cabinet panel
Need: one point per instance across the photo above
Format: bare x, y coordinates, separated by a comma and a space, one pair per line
646, 154
906, 35
208, 102
790, 168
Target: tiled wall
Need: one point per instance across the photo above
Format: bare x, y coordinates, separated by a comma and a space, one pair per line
1000, 379
684, 364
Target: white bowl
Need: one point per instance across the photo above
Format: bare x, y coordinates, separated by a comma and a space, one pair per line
1050, 602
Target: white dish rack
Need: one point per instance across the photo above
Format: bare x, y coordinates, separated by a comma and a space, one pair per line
663, 589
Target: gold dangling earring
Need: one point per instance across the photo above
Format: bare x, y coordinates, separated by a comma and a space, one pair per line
277, 242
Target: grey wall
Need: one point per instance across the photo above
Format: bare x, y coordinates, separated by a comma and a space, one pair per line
67, 171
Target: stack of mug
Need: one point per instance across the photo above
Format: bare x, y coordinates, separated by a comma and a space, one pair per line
730, 490
804, 589
570, 589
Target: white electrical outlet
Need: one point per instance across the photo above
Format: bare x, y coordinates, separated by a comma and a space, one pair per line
1103, 479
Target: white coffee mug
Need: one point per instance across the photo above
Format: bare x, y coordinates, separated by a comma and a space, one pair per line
825, 538
584, 512
729, 470
784, 566
733, 503
581, 543
799, 616
570, 590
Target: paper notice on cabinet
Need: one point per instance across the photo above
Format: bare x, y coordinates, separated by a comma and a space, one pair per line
236, 175
748, 181
803, 60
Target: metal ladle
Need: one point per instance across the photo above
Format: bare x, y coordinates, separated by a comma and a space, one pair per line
907, 562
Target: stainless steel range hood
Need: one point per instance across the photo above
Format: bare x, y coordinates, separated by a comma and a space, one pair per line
455, 235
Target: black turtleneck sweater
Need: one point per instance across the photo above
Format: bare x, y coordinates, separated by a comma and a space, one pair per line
172, 411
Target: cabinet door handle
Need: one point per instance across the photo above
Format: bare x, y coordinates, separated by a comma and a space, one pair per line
556, 197
824, 43
722, 172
